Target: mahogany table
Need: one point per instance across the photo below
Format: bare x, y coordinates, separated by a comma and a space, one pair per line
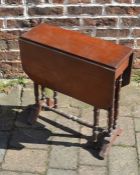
89, 69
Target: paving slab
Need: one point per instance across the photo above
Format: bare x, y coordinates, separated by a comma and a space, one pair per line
9, 107
88, 157
128, 135
46, 120
54, 146
63, 100
125, 111
78, 104
61, 172
136, 111
90, 170
67, 126
26, 160
138, 144
30, 138
129, 96
7, 118
88, 115
15, 173
123, 160
28, 97
4, 136
137, 124
64, 155
12, 98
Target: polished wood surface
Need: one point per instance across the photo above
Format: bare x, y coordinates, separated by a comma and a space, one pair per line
68, 74
76, 70
88, 69
93, 49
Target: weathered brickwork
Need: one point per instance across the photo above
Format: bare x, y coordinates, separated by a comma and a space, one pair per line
114, 20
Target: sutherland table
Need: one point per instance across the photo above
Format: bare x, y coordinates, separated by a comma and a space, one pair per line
89, 69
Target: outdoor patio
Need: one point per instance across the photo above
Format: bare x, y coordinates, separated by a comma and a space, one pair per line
54, 145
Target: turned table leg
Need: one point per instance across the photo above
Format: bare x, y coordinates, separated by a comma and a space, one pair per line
43, 100
113, 112
36, 93
117, 99
35, 109
96, 124
43, 95
110, 119
55, 96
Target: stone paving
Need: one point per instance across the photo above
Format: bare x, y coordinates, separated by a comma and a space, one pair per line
54, 145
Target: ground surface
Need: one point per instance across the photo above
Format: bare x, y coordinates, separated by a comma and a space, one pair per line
53, 147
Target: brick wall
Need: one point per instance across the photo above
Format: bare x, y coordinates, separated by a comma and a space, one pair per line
115, 20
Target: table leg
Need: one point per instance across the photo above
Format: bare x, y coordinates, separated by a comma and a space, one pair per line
117, 99
43, 100
55, 95
43, 95
96, 124
36, 108
36, 93
113, 111
110, 120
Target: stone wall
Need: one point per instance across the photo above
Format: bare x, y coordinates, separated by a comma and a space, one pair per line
115, 20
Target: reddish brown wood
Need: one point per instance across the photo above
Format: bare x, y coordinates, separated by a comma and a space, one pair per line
127, 72
55, 96
111, 113
43, 95
55, 64
117, 99
110, 119
93, 61
36, 93
80, 66
93, 49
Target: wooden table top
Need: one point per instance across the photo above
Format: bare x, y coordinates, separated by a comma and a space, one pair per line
81, 45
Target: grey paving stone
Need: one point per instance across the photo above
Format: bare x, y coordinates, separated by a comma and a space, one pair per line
61, 172
125, 111
26, 160
78, 104
123, 160
46, 120
7, 117
11, 99
65, 140
87, 157
71, 110
63, 100
67, 126
88, 170
138, 143
137, 124
129, 96
65, 157
28, 97
15, 173
128, 135
87, 115
3, 144
136, 111
8, 109
30, 138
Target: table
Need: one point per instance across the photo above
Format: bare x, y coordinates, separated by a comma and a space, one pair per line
89, 69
